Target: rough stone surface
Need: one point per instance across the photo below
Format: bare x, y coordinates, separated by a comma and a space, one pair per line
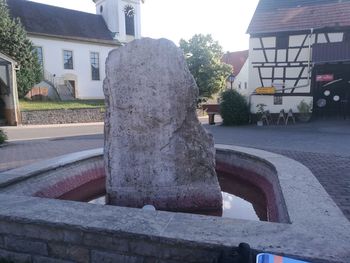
25, 245
99, 256
14, 257
62, 116
156, 151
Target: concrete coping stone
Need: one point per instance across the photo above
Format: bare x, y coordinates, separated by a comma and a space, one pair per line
22, 173
318, 232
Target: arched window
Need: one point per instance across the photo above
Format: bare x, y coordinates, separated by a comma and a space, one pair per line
129, 12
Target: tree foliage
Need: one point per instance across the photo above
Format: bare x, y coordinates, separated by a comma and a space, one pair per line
234, 108
203, 56
14, 43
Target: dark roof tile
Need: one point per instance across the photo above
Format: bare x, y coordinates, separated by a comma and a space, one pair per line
51, 20
236, 60
298, 15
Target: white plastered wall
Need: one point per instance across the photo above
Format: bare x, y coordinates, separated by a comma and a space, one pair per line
53, 63
241, 81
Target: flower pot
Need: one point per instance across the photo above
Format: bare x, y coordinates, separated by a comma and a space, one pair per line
260, 123
304, 117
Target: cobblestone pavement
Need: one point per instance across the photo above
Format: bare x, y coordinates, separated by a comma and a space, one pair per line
323, 148
332, 171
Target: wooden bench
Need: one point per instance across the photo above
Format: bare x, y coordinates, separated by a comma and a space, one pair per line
211, 110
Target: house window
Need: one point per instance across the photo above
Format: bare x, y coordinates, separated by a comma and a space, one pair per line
129, 13
39, 52
282, 42
277, 100
95, 65
68, 59
245, 85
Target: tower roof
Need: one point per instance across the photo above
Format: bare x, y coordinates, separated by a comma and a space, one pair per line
297, 15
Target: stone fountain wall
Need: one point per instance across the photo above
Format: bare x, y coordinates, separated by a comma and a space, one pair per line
45, 230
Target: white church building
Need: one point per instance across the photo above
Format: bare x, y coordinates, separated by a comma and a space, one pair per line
72, 46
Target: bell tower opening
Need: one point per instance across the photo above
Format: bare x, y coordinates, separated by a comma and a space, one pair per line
129, 14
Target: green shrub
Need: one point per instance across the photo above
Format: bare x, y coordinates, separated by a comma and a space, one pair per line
3, 137
304, 107
234, 109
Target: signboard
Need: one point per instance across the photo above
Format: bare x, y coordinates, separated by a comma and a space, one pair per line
269, 258
265, 90
324, 78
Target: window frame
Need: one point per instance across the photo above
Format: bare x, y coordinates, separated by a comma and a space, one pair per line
63, 53
99, 65
130, 30
42, 55
277, 100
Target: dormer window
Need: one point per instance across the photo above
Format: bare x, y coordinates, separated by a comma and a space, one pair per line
129, 12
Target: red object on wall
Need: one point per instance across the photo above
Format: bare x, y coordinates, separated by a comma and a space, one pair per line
325, 78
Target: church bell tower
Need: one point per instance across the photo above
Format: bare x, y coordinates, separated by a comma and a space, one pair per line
122, 18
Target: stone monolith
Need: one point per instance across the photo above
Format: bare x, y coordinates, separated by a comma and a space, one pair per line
156, 150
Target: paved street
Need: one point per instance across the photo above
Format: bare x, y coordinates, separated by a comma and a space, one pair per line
324, 147
33, 132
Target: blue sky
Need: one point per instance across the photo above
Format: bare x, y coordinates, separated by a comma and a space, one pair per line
226, 20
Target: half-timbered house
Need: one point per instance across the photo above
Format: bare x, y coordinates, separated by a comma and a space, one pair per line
300, 50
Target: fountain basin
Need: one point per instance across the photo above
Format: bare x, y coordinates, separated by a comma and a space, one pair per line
311, 226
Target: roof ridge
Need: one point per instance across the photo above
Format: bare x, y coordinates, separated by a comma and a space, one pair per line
54, 6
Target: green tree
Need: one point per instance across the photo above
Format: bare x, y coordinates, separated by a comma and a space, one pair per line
203, 56
234, 108
14, 42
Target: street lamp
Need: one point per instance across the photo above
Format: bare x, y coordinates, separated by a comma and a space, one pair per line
231, 79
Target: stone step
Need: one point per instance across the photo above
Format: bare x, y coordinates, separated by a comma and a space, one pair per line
64, 93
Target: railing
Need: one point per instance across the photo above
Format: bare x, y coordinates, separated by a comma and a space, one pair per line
70, 88
53, 81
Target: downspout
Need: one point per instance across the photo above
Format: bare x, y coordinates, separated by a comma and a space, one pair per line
15, 67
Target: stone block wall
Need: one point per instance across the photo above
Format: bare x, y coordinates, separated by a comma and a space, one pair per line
45, 239
62, 116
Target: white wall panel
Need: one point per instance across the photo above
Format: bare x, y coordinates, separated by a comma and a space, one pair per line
335, 37
53, 63
281, 55
269, 41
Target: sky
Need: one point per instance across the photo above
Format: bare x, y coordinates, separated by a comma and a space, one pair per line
225, 20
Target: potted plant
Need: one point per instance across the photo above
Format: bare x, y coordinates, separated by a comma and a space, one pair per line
305, 111
3, 137
260, 112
